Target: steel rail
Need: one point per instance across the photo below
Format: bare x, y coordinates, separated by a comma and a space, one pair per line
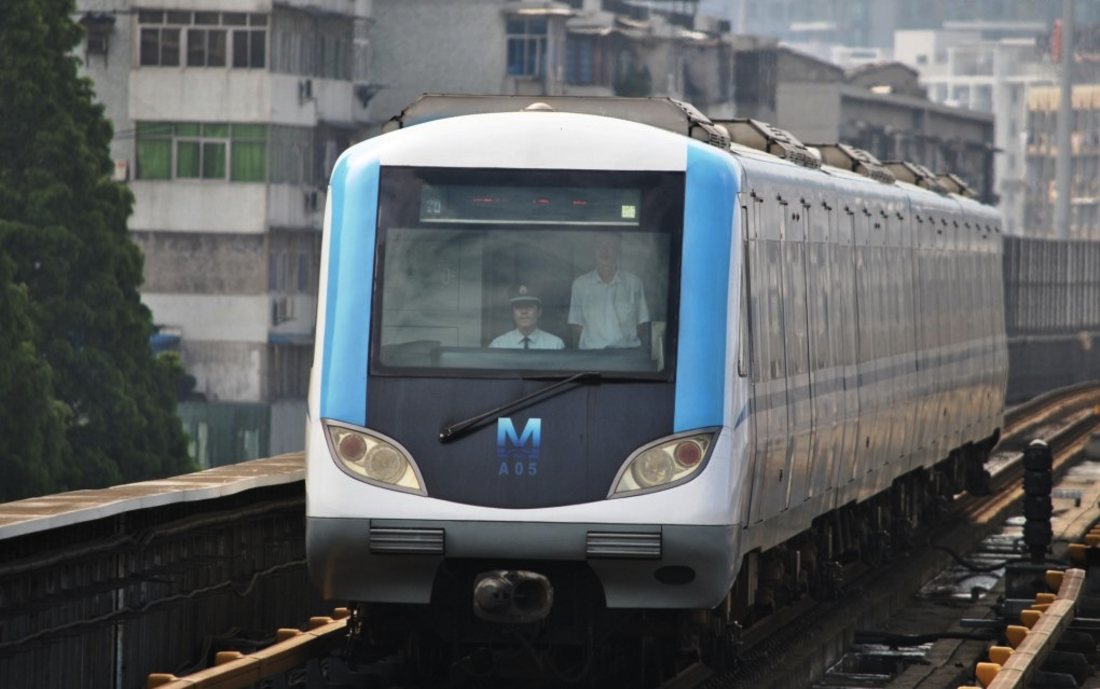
234, 670
296, 649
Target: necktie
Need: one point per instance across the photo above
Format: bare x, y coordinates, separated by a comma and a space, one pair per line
527, 343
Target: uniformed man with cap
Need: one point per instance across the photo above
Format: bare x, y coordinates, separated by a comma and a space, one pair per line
526, 311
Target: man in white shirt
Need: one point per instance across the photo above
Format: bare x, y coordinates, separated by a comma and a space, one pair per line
526, 311
608, 307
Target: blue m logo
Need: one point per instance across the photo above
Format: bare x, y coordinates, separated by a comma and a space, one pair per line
511, 445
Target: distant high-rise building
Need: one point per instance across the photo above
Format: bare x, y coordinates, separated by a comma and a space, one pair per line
1042, 152
963, 68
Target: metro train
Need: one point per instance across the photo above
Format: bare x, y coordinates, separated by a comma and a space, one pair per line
789, 356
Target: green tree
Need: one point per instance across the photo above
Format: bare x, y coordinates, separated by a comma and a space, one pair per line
33, 451
72, 263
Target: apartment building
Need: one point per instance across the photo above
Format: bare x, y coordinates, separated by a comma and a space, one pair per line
536, 47
228, 117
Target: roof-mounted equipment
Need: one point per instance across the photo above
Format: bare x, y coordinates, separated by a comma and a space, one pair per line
956, 185
916, 174
855, 159
665, 113
770, 139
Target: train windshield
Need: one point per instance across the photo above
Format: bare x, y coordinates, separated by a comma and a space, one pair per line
526, 272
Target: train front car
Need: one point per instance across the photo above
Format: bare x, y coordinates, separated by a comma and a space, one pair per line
521, 418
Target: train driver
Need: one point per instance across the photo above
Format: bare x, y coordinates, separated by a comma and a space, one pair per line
608, 307
526, 311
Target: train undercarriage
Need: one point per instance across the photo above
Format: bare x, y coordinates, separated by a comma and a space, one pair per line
545, 623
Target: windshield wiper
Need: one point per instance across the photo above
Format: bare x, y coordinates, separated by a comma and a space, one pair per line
457, 430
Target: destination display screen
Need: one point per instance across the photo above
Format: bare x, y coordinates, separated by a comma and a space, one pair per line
530, 205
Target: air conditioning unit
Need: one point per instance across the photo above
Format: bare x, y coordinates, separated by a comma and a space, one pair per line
97, 44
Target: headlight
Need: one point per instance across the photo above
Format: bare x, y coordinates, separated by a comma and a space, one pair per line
379, 461
662, 464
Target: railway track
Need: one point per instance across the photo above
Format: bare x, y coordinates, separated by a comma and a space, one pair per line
777, 652
1065, 419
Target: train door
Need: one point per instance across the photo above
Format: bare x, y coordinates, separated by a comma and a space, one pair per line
901, 342
868, 328
770, 364
923, 289
826, 432
881, 365
799, 402
906, 252
969, 323
991, 262
956, 352
747, 366
916, 228
947, 337
847, 345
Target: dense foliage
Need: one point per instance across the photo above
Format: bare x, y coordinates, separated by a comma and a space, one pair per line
83, 401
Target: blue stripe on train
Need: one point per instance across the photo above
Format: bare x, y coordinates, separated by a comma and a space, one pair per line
350, 276
710, 198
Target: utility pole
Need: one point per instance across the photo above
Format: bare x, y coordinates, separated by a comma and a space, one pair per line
1063, 170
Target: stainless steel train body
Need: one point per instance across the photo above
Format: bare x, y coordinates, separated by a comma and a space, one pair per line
813, 336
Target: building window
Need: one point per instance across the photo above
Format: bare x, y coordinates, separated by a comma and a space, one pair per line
160, 47
154, 150
289, 373
526, 47
250, 48
249, 153
207, 37
190, 150
291, 155
578, 59
200, 150
206, 47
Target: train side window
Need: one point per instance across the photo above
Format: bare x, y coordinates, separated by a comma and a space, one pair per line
837, 310
863, 316
794, 307
744, 329
777, 363
761, 303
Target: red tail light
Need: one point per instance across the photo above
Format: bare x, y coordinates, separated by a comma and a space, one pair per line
688, 453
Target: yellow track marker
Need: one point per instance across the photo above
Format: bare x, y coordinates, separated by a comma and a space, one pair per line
985, 672
1077, 553
999, 654
286, 633
223, 657
1015, 635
